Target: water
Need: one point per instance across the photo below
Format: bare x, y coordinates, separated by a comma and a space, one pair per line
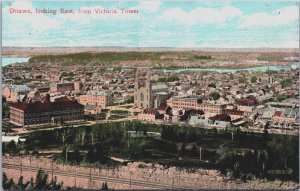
252, 69
7, 61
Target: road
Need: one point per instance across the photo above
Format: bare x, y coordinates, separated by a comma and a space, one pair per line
20, 131
91, 177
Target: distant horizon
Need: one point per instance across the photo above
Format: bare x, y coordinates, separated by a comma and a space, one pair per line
123, 48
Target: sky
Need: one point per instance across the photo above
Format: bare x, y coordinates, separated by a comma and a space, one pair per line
182, 24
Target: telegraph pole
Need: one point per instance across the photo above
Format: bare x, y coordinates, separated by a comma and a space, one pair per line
200, 153
21, 166
172, 183
130, 180
52, 170
90, 174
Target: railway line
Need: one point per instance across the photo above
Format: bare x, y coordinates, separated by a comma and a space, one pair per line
91, 177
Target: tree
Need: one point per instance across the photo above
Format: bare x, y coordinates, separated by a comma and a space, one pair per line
93, 134
90, 156
194, 151
173, 148
266, 133
286, 83
99, 153
7, 184
243, 80
253, 79
182, 150
65, 151
53, 185
199, 101
215, 95
82, 133
63, 135
21, 185
41, 180
281, 97
12, 147
104, 186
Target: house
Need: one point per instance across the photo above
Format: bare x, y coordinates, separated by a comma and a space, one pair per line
62, 87
92, 109
286, 117
149, 114
234, 114
96, 97
222, 120
12, 92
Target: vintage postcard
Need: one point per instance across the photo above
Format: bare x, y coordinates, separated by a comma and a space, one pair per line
147, 95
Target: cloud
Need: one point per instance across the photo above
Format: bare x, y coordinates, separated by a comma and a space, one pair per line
278, 17
150, 6
202, 15
34, 21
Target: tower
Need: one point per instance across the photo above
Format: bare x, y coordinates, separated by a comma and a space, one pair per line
136, 88
148, 90
143, 93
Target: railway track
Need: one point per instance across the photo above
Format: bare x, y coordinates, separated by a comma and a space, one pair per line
91, 177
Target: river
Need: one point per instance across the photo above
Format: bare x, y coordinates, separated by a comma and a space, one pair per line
13, 60
252, 69
7, 61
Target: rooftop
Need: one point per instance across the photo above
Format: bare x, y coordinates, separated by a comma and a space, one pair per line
221, 117
18, 88
159, 86
96, 93
36, 107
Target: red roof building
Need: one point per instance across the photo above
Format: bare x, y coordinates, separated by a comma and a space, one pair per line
248, 102
23, 114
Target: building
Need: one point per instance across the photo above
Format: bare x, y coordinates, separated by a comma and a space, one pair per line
184, 102
92, 109
96, 97
288, 116
194, 102
44, 112
221, 120
266, 80
78, 85
44, 89
234, 114
147, 95
12, 93
149, 114
62, 87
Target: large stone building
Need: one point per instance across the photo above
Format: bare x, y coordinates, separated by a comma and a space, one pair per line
148, 95
97, 98
194, 102
62, 87
22, 113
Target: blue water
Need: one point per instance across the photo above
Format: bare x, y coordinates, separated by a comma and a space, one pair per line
7, 61
252, 69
